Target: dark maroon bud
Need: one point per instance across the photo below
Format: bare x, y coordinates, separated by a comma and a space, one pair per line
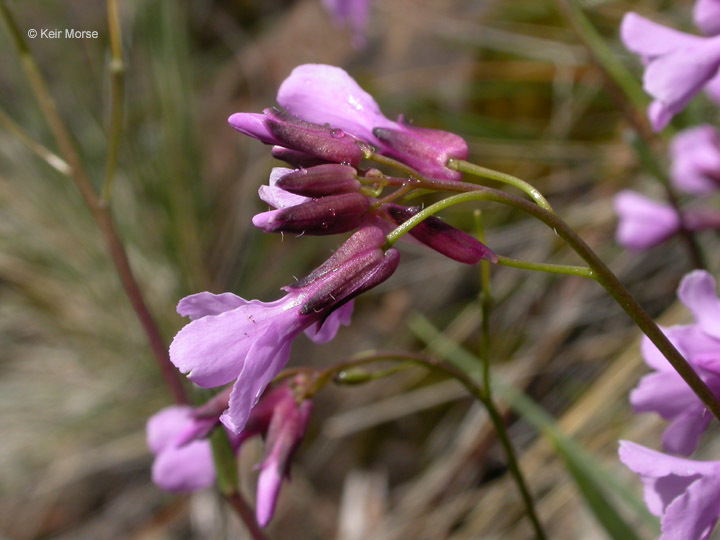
295, 158
323, 142
443, 238
329, 215
321, 180
367, 238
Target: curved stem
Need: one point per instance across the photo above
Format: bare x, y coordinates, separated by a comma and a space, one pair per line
566, 269
100, 212
602, 274
483, 172
243, 509
117, 98
477, 392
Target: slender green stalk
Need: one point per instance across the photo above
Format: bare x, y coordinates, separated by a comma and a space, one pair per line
483, 172
48, 156
602, 274
482, 395
565, 269
99, 211
117, 98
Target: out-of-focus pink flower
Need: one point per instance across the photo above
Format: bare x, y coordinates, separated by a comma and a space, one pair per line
327, 94
354, 13
284, 435
230, 338
706, 15
695, 154
678, 65
643, 223
664, 391
685, 494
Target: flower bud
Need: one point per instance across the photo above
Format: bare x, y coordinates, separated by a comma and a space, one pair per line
295, 158
320, 181
329, 215
426, 150
317, 140
443, 238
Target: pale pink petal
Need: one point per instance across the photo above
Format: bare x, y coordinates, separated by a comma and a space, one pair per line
693, 514
683, 434
325, 331
203, 304
650, 39
706, 15
268, 490
185, 469
699, 293
279, 198
253, 125
165, 426
643, 223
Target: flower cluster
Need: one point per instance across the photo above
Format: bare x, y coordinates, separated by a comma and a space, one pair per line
326, 126
678, 66
183, 460
683, 492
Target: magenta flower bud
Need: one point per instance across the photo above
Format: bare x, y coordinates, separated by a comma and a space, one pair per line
318, 140
296, 159
230, 338
286, 431
321, 180
328, 215
443, 238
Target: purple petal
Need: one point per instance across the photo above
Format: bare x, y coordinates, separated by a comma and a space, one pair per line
653, 464
327, 94
677, 77
650, 39
683, 434
643, 223
712, 89
696, 160
325, 331
253, 125
706, 15
197, 306
660, 115
165, 426
267, 357
693, 514
185, 469
268, 490
212, 350
665, 393
279, 198
698, 292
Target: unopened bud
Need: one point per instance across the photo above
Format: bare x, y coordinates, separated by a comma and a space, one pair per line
443, 238
317, 140
329, 215
321, 180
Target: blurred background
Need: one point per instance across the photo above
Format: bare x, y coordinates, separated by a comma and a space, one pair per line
408, 456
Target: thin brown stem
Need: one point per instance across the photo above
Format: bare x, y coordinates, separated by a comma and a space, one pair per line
100, 211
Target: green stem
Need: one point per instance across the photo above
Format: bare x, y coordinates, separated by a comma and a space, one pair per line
602, 274
117, 98
477, 392
565, 269
483, 172
49, 157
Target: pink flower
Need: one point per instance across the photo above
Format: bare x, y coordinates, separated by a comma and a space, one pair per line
355, 13
642, 222
706, 15
230, 338
678, 65
327, 94
695, 154
684, 493
664, 391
